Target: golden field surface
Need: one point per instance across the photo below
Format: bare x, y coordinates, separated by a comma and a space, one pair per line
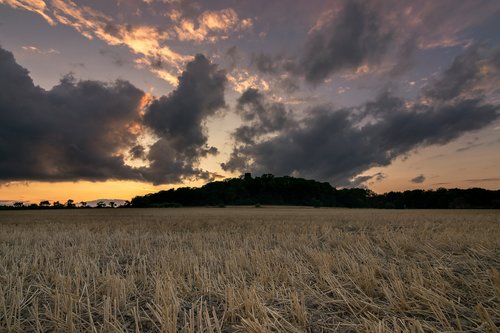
249, 270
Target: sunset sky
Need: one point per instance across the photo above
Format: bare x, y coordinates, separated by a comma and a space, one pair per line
117, 98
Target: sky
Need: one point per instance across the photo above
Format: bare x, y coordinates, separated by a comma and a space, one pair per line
118, 98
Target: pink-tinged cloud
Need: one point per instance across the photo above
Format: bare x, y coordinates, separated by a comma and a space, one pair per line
210, 24
148, 42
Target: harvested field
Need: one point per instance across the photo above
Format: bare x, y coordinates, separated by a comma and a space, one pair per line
249, 270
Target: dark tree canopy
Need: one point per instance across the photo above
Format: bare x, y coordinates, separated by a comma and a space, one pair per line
270, 190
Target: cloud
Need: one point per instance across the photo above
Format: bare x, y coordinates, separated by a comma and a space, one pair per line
353, 35
178, 120
76, 130
210, 22
115, 57
263, 117
145, 41
475, 72
88, 130
36, 6
418, 180
483, 180
242, 79
271, 64
355, 38
338, 144
35, 49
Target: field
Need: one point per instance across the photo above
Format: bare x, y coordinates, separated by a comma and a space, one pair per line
249, 270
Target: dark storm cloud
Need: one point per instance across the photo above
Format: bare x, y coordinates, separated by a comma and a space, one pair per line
262, 117
329, 145
354, 36
178, 119
74, 131
86, 129
138, 152
418, 180
338, 144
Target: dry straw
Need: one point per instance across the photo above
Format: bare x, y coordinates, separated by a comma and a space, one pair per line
249, 270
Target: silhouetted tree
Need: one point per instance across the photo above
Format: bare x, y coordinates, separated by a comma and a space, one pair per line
83, 204
18, 204
271, 190
70, 203
100, 204
57, 204
44, 203
111, 204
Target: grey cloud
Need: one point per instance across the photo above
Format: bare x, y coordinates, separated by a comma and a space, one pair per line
264, 117
385, 35
85, 129
76, 130
330, 146
267, 63
233, 55
138, 152
418, 180
289, 85
465, 74
359, 181
178, 119
278, 64
338, 144
260, 118
380, 176
115, 57
483, 180
354, 36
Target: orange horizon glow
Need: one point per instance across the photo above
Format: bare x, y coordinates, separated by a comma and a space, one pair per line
35, 192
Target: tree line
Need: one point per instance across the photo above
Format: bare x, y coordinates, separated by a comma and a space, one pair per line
46, 204
270, 190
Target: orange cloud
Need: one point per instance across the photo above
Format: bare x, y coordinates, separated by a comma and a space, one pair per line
211, 22
145, 41
36, 6
242, 79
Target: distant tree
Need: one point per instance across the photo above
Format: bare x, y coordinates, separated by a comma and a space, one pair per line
126, 204
57, 204
83, 204
112, 204
70, 203
44, 203
18, 204
100, 204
